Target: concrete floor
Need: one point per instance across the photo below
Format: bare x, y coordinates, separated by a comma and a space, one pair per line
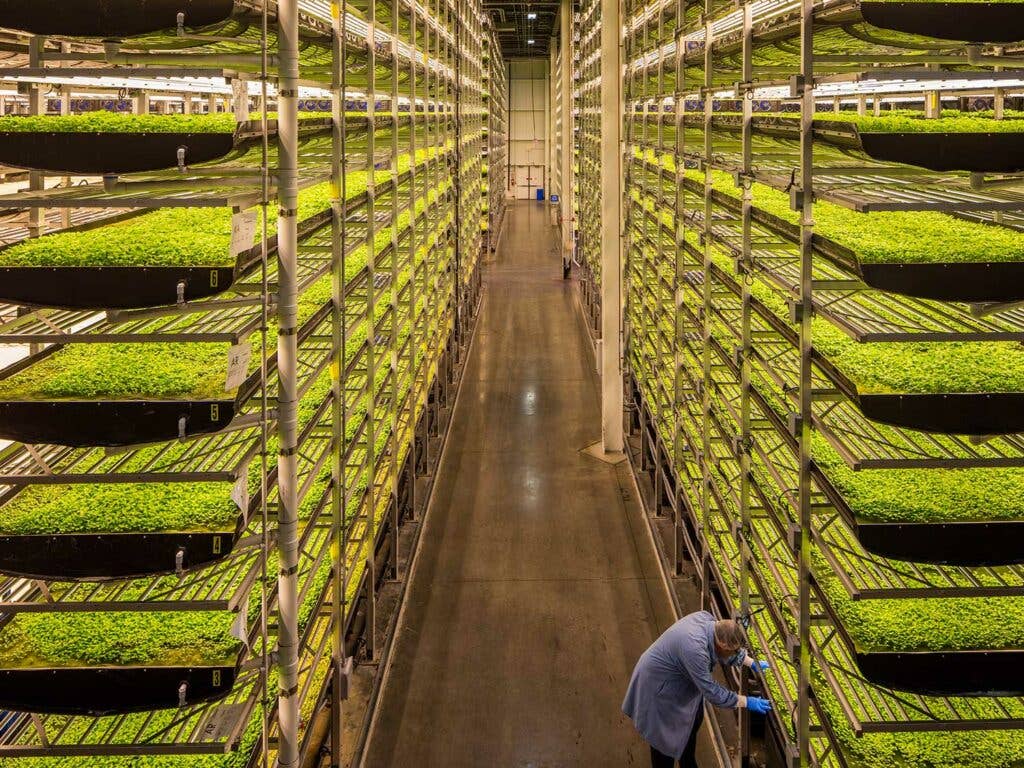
536, 587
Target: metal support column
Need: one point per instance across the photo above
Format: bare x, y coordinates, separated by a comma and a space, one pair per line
611, 226
805, 205
566, 160
706, 459
369, 469
397, 321
339, 339
745, 533
679, 392
36, 106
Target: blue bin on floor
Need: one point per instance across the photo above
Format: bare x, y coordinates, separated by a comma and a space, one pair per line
540, 193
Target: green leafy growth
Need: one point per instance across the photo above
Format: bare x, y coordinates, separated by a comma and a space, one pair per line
195, 237
120, 508
924, 495
890, 237
151, 507
909, 368
121, 122
118, 122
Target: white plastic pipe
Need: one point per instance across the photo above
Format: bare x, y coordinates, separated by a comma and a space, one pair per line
287, 396
611, 226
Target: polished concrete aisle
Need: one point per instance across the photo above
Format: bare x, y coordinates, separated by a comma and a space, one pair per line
536, 588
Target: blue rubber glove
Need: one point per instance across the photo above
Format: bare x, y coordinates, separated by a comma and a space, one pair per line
761, 706
759, 666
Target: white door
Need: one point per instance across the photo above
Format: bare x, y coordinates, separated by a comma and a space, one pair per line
528, 179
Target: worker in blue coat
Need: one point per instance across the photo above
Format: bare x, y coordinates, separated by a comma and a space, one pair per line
673, 678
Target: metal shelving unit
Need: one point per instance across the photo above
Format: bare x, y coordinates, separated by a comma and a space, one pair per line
586, 80
497, 131
372, 299
732, 400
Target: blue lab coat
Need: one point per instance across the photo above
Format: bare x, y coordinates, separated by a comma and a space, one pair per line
671, 681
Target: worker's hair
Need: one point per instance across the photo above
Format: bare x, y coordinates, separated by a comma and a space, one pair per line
729, 635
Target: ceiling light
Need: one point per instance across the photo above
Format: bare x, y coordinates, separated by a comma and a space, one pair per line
530, 41
531, 15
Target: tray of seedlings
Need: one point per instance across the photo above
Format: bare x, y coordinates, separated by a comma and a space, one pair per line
109, 143
121, 529
164, 257
960, 516
922, 254
953, 142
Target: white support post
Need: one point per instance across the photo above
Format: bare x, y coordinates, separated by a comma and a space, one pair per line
568, 137
287, 391
611, 226
240, 100
64, 108
548, 138
552, 156
36, 106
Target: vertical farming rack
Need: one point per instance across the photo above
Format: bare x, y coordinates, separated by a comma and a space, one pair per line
243, 332
586, 78
822, 320
496, 131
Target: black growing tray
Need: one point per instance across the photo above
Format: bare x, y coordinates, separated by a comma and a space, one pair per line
996, 152
92, 153
110, 690
980, 152
102, 556
95, 287
978, 282
985, 22
110, 18
950, 413
956, 413
991, 543
969, 543
81, 423
995, 413
90, 423
972, 282
112, 287
946, 673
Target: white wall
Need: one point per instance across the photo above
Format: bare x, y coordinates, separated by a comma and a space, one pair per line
528, 126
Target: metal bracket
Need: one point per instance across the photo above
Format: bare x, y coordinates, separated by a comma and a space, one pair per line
793, 647
796, 311
796, 199
797, 86
793, 536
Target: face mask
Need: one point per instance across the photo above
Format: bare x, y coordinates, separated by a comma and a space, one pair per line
733, 660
